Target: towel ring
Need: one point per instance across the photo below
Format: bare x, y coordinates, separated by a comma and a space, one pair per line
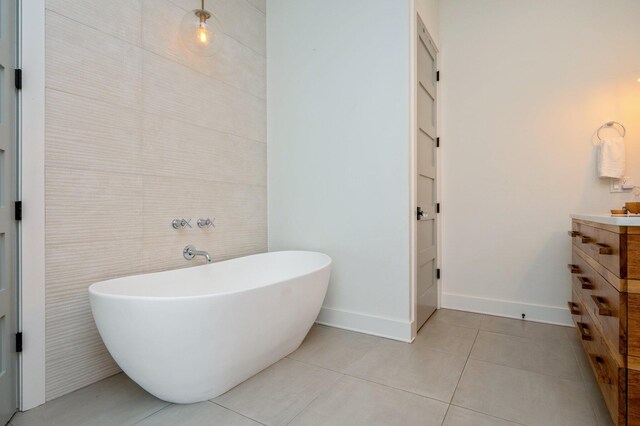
611, 124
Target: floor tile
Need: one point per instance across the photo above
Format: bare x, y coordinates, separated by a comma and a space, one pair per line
574, 336
523, 396
584, 365
537, 355
597, 403
530, 329
113, 401
413, 368
459, 318
201, 414
357, 402
458, 416
279, 393
333, 348
446, 337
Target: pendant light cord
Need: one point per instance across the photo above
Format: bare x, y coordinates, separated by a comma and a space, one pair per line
202, 5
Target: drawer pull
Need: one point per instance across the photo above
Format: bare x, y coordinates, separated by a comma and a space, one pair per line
601, 304
573, 307
575, 269
574, 234
585, 283
585, 240
601, 369
584, 330
603, 248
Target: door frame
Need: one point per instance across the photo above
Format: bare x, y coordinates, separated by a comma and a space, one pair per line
413, 167
31, 266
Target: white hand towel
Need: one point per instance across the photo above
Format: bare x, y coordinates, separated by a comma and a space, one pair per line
611, 161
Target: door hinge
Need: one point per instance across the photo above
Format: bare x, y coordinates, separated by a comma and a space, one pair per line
438, 273
438, 142
437, 207
19, 342
17, 211
437, 75
18, 78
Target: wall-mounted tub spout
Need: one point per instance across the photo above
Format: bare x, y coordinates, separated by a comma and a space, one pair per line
190, 252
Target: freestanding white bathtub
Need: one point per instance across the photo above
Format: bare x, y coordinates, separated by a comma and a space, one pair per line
189, 335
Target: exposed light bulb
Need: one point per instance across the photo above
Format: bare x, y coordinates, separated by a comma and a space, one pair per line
203, 33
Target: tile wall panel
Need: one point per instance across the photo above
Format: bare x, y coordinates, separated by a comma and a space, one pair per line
138, 132
235, 63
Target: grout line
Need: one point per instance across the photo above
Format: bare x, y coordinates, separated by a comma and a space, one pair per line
458, 384
233, 411
489, 415
316, 397
555, 376
464, 368
369, 380
455, 325
153, 414
157, 115
207, 75
142, 110
584, 384
256, 8
141, 18
173, 178
446, 413
560, 341
240, 42
143, 49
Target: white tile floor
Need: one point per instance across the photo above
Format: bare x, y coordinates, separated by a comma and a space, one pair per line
463, 369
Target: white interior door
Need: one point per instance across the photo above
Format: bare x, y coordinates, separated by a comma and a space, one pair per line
8, 247
426, 215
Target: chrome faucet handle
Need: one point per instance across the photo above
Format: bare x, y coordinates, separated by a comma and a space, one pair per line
206, 223
181, 223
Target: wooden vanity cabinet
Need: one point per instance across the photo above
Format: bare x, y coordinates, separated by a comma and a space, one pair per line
605, 306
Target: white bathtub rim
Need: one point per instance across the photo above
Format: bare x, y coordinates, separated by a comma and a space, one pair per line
94, 293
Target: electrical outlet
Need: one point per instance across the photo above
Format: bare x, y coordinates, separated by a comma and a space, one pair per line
621, 185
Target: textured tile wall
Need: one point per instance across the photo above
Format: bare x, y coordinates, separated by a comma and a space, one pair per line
138, 132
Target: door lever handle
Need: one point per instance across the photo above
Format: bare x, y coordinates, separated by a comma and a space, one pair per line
420, 213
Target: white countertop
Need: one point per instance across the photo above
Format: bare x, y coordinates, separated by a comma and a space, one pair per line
607, 219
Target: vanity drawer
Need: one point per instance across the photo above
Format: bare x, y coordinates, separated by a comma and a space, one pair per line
611, 377
603, 303
609, 309
576, 308
587, 331
584, 277
606, 247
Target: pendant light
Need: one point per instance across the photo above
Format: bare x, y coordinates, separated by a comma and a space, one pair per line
201, 32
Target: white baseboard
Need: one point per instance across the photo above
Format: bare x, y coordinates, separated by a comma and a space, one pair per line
389, 328
507, 308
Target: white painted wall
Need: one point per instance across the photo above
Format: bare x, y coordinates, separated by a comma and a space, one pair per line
429, 12
524, 86
338, 135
